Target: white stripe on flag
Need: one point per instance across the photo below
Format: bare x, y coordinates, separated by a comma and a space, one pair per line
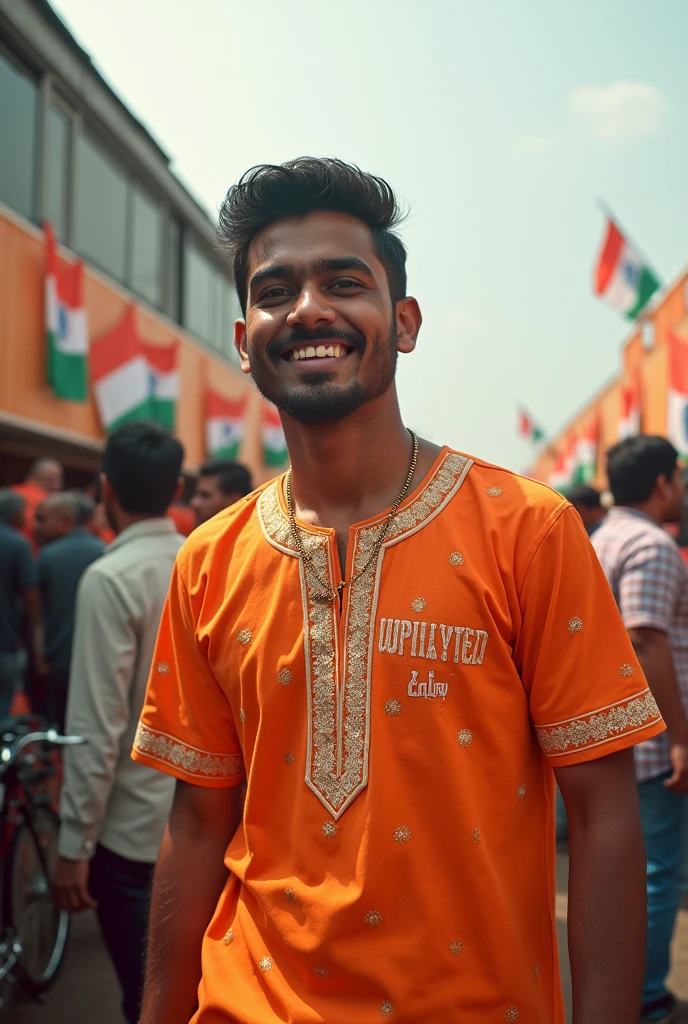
167, 385
622, 291
223, 433
122, 390
69, 327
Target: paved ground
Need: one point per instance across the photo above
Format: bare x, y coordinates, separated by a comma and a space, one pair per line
86, 992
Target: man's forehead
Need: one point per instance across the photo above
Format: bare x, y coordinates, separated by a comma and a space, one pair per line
316, 236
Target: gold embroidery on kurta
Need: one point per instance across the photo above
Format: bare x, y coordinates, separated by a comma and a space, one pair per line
386, 1010
190, 760
290, 895
575, 625
456, 948
244, 636
242, 714
289, 757
265, 964
162, 667
476, 836
402, 834
329, 829
465, 738
392, 708
284, 676
456, 558
626, 671
512, 1015
418, 604
493, 492
321, 970
521, 791
372, 918
228, 937
339, 715
600, 726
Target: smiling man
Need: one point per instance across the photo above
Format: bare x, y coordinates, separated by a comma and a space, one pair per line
394, 645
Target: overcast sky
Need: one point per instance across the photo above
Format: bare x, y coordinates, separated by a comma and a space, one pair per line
499, 122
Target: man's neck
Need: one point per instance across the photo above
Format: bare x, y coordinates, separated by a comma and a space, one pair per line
352, 470
124, 520
649, 509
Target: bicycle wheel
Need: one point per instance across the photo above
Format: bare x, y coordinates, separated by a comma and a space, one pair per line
41, 927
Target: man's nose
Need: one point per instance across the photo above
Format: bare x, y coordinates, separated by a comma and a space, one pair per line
312, 307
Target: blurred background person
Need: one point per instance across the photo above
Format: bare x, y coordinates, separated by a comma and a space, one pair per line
114, 810
45, 477
221, 483
587, 503
649, 580
183, 517
18, 596
67, 550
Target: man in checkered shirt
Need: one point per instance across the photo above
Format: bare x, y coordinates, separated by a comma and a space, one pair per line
650, 584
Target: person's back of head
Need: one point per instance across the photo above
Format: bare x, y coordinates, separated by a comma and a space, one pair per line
141, 466
587, 503
85, 508
643, 473
12, 508
221, 483
46, 473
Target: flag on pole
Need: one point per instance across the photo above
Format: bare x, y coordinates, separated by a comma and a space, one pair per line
66, 325
629, 424
225, 420
622, 276
528, 428
163, 382
677, 399
120, 375
584, 466
560, 477
274, 445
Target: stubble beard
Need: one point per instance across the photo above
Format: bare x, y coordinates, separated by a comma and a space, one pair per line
318, 400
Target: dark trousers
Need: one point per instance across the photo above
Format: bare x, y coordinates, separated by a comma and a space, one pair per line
55, 697
122, 888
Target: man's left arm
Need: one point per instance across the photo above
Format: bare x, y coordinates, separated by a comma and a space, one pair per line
607, 898
100, 679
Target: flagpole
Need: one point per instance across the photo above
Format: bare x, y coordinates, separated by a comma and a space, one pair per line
610, 215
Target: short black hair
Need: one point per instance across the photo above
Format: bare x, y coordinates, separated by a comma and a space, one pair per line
270, 192
635, 464
11, 506
233, 477
142, 462
84, 508
583, 494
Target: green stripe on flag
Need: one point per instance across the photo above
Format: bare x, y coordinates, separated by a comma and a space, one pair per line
67, 374
647, 286
275, 458
162, 412
142, 411
227, 452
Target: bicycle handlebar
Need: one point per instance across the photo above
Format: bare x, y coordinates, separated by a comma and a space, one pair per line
10, 751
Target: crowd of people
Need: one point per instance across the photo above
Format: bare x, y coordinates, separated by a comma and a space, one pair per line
322, 731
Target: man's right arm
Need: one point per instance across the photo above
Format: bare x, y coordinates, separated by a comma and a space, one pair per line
189, 878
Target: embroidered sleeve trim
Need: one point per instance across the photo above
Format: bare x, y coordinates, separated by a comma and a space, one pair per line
601, 726
173, 753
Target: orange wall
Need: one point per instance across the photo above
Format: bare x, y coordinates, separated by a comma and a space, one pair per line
23, 388
652, 364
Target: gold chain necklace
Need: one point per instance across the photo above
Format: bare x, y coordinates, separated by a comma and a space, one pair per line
329, 593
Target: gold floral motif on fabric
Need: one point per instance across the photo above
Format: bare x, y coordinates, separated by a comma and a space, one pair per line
600, 726
200, 764
339, 694
386, 1010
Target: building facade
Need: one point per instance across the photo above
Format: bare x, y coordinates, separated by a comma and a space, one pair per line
73, 154
644, 368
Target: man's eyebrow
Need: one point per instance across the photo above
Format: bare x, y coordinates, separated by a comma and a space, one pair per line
337, 263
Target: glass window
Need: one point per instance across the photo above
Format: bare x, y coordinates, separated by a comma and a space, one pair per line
173, 268
146, 253
100, 217
18, 114
196, 288
57, 135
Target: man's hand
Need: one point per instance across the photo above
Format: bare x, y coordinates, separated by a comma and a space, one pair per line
70, 885
678, 752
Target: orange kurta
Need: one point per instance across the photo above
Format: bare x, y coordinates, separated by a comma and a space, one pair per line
396, 855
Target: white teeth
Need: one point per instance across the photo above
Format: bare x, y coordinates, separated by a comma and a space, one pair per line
321, 351
330, 350
310, 352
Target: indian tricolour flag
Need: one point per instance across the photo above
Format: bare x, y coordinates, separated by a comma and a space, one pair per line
622, 276
560, 477
274, 445
677, 398
584, 468
629, 423
163, 382
120, 375
225, 420
66, 325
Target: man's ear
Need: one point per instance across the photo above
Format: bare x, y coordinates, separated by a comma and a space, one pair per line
408, 319
240, 344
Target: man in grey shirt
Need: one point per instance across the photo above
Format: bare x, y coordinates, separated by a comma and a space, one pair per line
114, 810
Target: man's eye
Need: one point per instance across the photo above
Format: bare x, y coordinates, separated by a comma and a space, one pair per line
346, 282
274, 293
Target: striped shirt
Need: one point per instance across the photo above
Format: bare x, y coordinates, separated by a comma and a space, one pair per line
650, 583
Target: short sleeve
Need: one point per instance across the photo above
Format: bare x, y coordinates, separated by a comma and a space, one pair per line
649, 586
187, 728
588, 695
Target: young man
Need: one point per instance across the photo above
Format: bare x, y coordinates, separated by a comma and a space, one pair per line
649, 581
377, 642
66, 551
221, 483
113, 811
44, 477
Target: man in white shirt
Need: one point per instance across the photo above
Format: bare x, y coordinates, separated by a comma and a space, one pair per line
114, 810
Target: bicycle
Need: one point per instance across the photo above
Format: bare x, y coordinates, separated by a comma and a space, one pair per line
33, 930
